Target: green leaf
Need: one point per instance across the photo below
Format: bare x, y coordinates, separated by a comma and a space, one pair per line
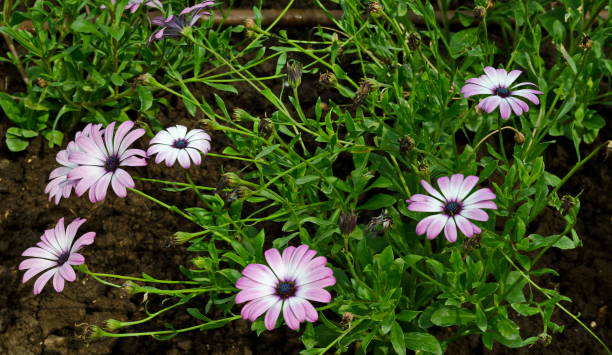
146, 98
397, 339
15, 144
54, 137
80, 24
222, 87
11, 108
422, 342
481, 318
116, 79
447, 316
378, 201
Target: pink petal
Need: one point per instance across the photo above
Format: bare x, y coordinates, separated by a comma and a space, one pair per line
183, 158
480, 195
431, 190
102, 186
504, 109
311, 313
475, 214
85, 239
253, 293
464, 225
445, 187
528, 94
436, 225
274, 259
42, 280
67, 272
314, 294
488, 104
40, 253
450, 231
76, 259
467, 186
195, 155
260, 273
290, 318
483, 204
272, 315
58, 282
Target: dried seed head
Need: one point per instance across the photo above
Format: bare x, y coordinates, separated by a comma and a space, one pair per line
490, 4
347, 319
414, 41
406, 144
324, 106
479, 12
249, 27
347, 222
472, 242
519, 138
586, 42
294, 73
362, 92
40, 82
567, 202
375, 9
424, 169
379, 224
328, 79
608, 151
265, 127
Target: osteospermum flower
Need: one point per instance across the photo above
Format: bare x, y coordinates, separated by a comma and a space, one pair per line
55, 254
133, 5
497, 82
455, 206
176, 143
60, 186
173, 26
288, 284
101, 157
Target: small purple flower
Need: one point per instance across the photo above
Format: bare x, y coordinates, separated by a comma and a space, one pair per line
55, 254
456, 206
291, 280
100, 157
133, 5
496, 82
174, 25
176, 143
60, 186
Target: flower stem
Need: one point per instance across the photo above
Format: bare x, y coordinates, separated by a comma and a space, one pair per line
166, 332
163, 204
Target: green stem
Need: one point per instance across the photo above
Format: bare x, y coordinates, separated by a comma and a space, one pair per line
163, 204
342, 335
100, 332
557, 303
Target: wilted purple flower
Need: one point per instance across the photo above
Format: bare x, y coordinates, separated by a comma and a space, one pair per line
101, 157
55, 254
454, 205
133, 5
174, 25
176, 143
496, 82
287, 284
60, 186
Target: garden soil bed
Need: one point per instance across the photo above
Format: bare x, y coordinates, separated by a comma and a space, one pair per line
133, 235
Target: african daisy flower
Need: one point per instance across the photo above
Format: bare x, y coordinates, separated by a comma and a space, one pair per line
173, 26
496, 82
176, 143
60, 186
456, 206
100, 160
133, 5
55, 254
289, 282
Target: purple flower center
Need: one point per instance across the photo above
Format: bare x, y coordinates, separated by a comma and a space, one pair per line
502, 92
112, 163
61, 260
452, 208
285, 289
180, 143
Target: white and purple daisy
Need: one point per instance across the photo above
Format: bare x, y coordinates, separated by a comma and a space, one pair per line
176, 143
55, 254
288, 284
133, 5
496, 82
455, 207
60, 186
172, 26
101, 157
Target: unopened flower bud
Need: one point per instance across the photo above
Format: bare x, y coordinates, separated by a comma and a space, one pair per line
567, 202
519, 138
131, 288
479, 12
182, 237
113, 324
265, 127
414, 41
249, 27
375, 9
93, 332
294, 73
348, 222
406, 144
328, 79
